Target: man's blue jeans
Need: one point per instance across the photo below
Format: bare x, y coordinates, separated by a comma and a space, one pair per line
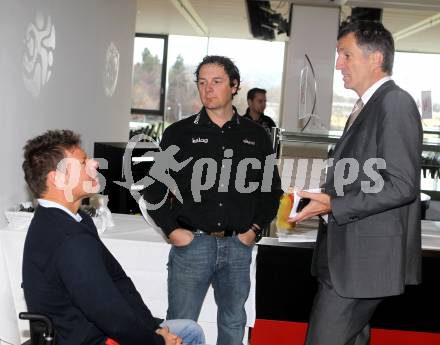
222, 262
190, 331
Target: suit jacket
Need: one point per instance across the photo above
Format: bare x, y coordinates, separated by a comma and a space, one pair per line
374, 236
71, 276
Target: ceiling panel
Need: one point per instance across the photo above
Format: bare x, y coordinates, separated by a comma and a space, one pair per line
161, 17
427, 5
415, 44
228, 18
225, 18
397, 19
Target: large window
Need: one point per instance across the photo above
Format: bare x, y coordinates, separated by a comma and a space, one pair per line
416, 72
185, 53
149, 68
413, 72
260, 64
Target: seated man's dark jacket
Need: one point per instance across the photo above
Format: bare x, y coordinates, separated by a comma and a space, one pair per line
71, 276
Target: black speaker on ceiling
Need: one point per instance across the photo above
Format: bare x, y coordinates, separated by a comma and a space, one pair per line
366, 13
259, 14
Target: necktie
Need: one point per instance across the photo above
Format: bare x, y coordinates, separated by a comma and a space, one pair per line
354, 113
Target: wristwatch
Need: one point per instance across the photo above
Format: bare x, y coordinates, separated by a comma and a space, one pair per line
258, 233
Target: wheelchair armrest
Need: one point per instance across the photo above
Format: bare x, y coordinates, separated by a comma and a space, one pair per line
41, 318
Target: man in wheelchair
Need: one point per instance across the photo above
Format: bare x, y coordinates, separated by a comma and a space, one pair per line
68, 273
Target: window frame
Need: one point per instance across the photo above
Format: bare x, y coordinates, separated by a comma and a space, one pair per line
161, 110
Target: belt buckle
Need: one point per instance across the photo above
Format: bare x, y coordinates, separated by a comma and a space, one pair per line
219, 234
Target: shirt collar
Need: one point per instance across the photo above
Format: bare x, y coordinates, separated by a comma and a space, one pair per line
202, 118
53, 204
373, 88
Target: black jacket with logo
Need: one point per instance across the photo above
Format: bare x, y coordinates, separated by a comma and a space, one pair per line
215, 197
264, 121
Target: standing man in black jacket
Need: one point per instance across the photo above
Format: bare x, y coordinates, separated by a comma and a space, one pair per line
68, 273
256, 99
227, 191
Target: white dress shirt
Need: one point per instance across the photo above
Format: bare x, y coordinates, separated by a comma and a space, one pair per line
372, 89
48, 203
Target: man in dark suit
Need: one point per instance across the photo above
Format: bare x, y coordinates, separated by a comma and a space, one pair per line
370, 246
68, 273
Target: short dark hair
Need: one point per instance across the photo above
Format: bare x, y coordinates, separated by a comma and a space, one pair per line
42, 155
227, 64
252, 92
372, 36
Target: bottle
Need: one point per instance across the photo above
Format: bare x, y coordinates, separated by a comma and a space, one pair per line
286, 203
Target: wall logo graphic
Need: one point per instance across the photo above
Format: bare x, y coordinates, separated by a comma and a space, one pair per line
39, 53
111, 70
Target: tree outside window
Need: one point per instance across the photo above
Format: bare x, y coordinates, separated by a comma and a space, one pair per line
149, 66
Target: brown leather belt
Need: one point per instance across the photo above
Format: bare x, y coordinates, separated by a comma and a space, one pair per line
221, 234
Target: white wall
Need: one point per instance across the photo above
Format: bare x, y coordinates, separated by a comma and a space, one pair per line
313, 32
74, 97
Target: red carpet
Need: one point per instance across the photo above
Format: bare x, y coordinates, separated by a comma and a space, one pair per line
267, 332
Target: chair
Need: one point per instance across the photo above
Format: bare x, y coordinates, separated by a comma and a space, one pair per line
41, 329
